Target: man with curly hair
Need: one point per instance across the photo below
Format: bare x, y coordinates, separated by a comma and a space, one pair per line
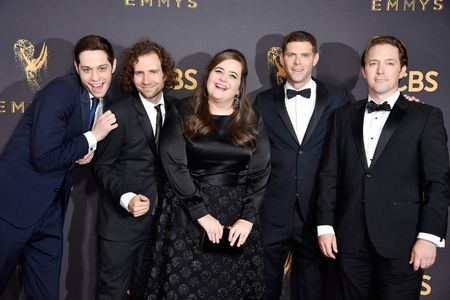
128, 170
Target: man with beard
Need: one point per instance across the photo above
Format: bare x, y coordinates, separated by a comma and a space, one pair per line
127, 169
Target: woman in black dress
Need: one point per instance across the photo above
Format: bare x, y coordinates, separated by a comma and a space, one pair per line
216, 157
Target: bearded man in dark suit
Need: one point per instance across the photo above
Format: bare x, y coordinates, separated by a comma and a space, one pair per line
128, 170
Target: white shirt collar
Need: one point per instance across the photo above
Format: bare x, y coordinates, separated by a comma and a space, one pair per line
391, 100
149, 104
310, 84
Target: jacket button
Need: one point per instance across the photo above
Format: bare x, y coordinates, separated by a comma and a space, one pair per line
300, 152
56, 190
368, 176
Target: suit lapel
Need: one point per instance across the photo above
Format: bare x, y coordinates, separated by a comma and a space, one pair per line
85, 107
145, 124
395, 117
282, 111
357, 128
167, 106
321, 101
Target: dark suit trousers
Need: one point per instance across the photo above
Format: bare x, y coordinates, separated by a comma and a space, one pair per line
306, 276
365, 275
121, 267
38, 249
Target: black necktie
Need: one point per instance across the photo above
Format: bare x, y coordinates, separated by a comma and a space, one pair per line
92, 112
304, 93
158, 122
372, 106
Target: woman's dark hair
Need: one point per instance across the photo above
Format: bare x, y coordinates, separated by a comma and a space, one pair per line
243, 128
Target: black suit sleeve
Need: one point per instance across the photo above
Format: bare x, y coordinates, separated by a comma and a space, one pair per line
106, 160
328, 178
435, 166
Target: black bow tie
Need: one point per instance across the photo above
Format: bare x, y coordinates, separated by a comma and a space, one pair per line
304, 93
372, 106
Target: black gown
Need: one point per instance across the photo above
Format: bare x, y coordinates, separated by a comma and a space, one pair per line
208, 174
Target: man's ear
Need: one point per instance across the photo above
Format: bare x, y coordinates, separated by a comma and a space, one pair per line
363, 72
114, 65
282, 59
76, 67
402, 72
316, 59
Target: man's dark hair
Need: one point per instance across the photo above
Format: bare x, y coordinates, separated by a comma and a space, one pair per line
93, 42
387, 40
299, 36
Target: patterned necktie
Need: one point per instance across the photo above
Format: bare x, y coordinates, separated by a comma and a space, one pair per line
94, 105
372, 106
306, 93
158, 123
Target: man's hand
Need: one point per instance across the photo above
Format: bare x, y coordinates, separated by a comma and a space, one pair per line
104, 124
240, 229
139, 205
85, 159
423, 254
212, 227
411, 98
328, 245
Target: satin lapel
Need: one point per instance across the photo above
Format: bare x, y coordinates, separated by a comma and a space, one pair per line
357, 128
282, 111
167, 107
85, 107
395, 117
144, 121
321, 101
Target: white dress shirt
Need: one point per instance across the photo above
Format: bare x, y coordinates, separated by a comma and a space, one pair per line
300, 109
151, 113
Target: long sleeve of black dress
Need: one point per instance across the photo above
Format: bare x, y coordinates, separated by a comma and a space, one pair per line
215, 160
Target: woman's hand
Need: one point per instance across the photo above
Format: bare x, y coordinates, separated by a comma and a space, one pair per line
212, 227
239, 232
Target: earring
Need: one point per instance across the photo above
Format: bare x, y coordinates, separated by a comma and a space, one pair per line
236, 101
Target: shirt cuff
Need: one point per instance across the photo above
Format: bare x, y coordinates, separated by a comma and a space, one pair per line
440, 243
125, 199
92, 141
325, 229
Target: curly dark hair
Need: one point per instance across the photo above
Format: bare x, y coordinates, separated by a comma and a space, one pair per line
130, 58
243, 128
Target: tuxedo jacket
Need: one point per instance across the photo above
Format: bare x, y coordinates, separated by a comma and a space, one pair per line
404, 191
36, 162
127, 161
294, 166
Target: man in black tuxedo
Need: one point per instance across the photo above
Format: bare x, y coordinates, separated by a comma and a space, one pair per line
384, 185
297, 119
128, 170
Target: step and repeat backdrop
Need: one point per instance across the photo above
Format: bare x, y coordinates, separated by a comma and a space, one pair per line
37, 38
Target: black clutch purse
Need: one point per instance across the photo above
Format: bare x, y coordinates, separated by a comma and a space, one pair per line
223, 246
